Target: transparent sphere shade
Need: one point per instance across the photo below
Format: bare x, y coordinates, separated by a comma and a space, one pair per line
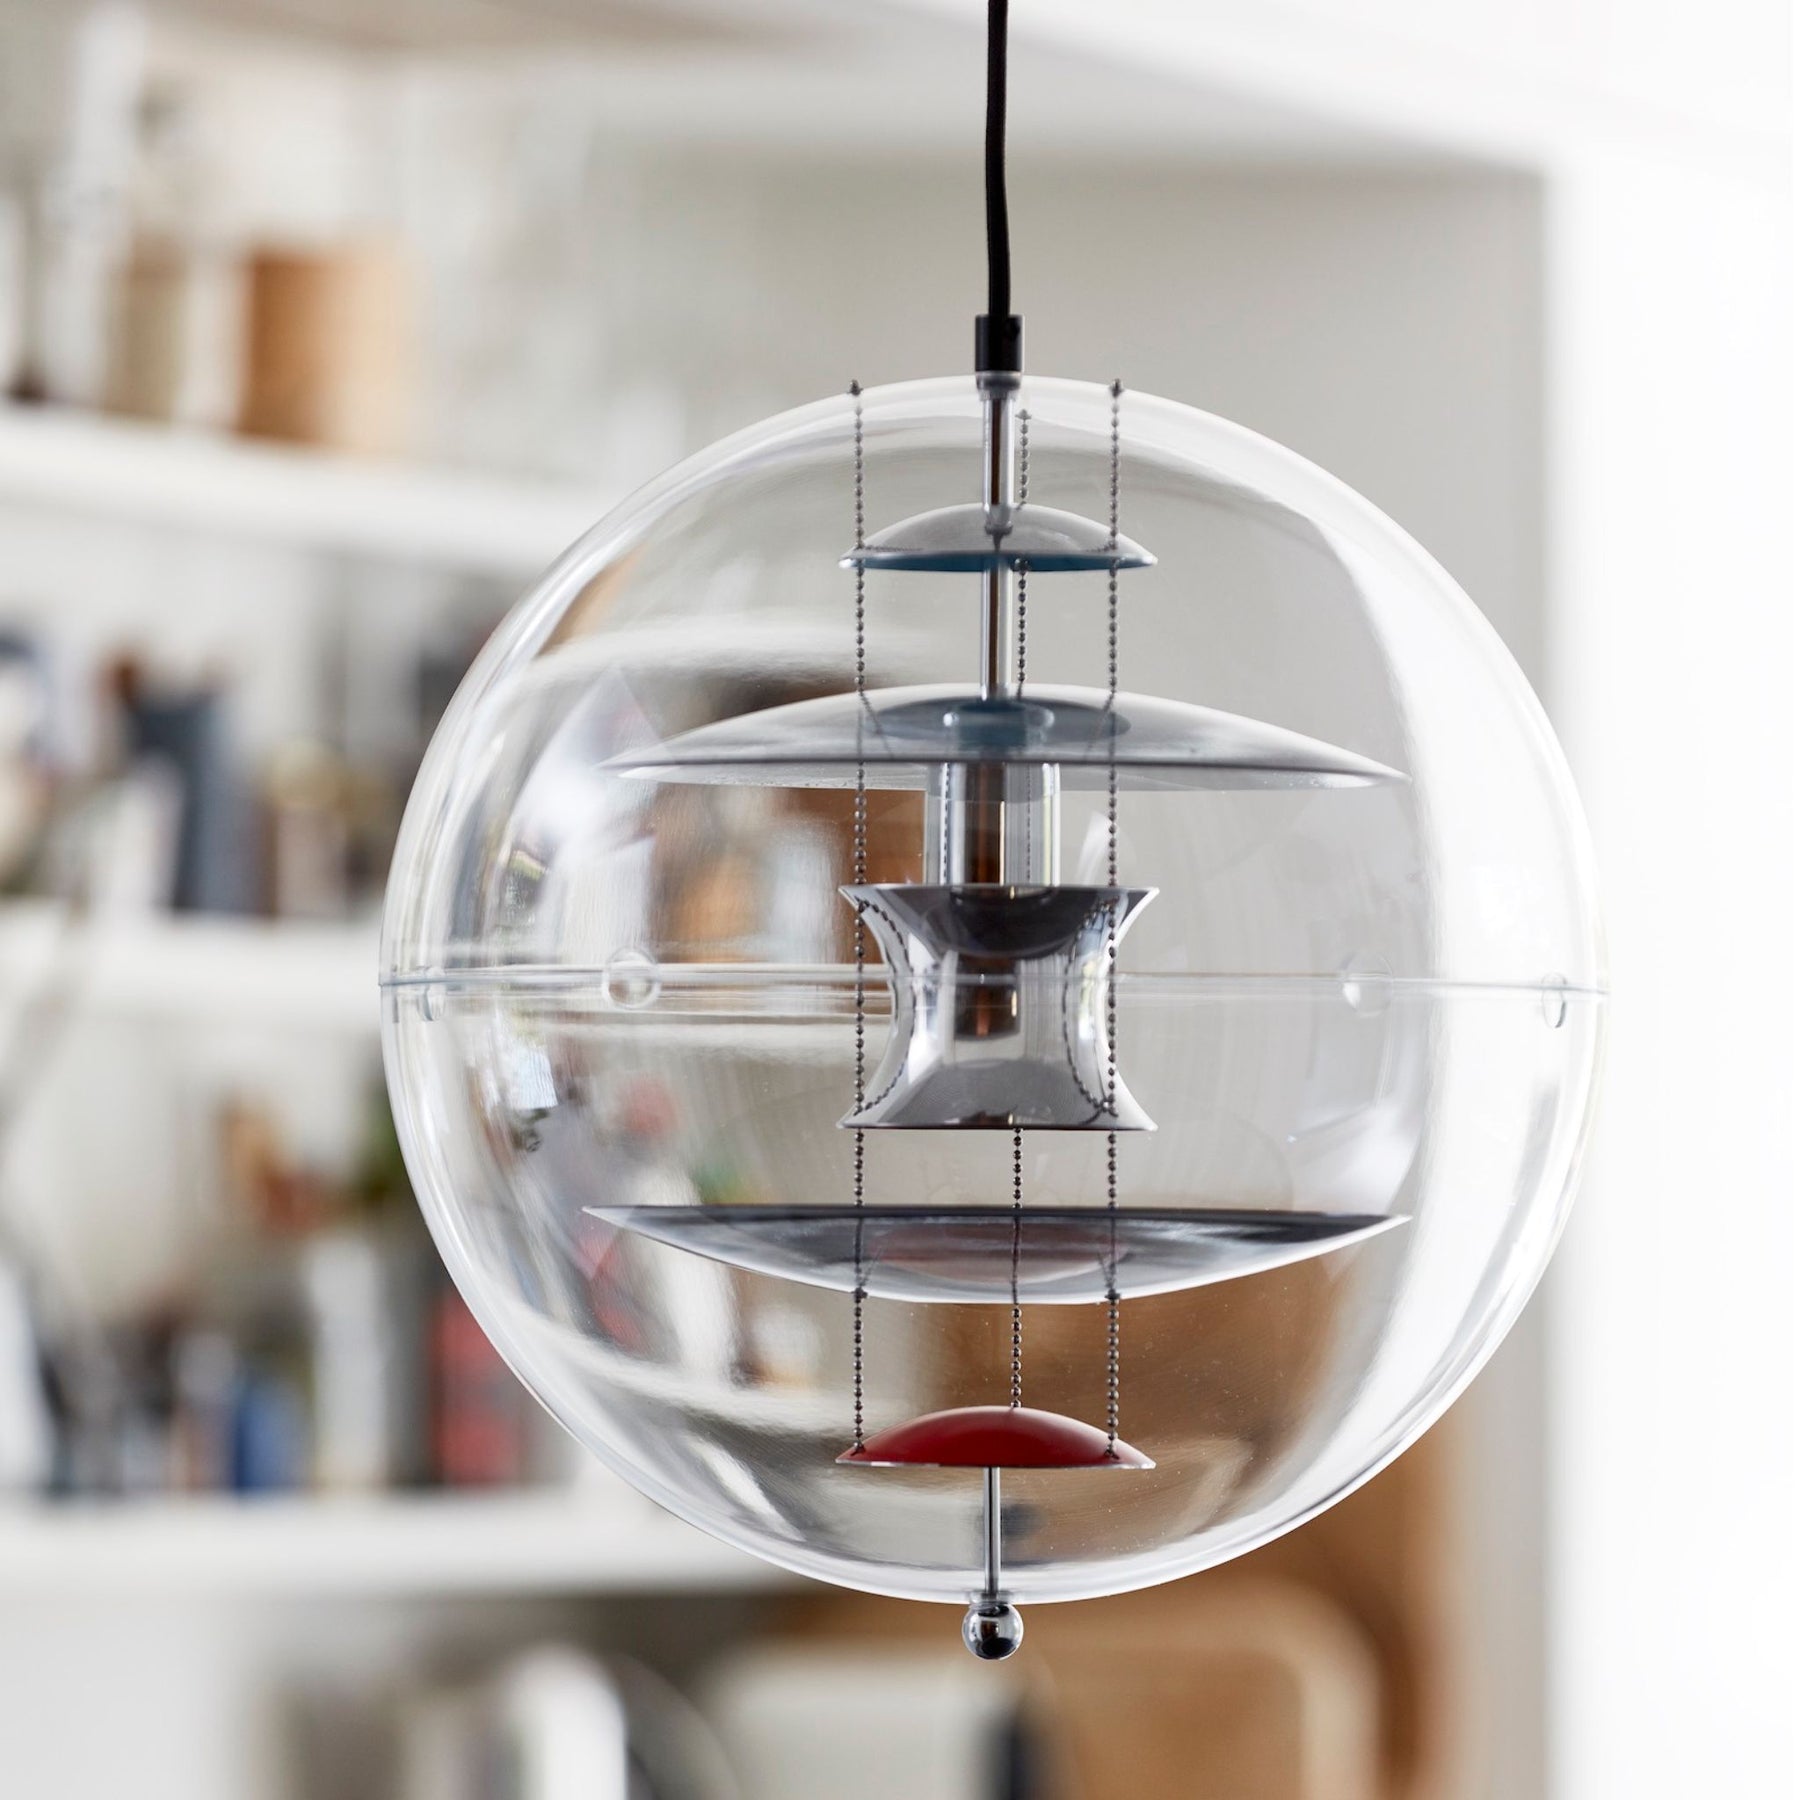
744, 1177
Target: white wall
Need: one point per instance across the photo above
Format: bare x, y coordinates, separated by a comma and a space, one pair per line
1672, 659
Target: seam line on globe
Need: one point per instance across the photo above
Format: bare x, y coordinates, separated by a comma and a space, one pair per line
537, 975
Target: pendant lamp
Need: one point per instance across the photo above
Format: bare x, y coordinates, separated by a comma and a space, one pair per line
992, 990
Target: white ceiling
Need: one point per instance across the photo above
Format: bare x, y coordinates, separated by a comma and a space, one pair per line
815, 73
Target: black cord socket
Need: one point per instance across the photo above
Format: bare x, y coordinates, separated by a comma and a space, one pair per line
999, 344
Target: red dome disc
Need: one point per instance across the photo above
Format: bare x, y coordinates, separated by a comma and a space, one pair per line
995, 1437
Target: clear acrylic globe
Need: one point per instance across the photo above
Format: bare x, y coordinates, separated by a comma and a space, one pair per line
615, 993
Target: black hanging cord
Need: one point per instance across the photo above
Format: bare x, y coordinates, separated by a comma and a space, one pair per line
999, 237
998, 335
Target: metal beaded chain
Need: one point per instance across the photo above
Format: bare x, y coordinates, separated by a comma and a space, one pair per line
1024, 495
859, 858
1017, 1396
1018, 1137
1112, 944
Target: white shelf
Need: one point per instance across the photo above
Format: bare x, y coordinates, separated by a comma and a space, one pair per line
193, 968
88, 463
441, 1544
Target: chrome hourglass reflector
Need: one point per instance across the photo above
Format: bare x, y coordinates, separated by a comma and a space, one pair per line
1000, 1003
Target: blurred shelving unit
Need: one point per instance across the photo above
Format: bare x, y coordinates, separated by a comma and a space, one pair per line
836, 135
87, 463
194, 969
840, 141
573, 1542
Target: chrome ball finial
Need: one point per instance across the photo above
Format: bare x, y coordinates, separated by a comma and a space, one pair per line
992, 1629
